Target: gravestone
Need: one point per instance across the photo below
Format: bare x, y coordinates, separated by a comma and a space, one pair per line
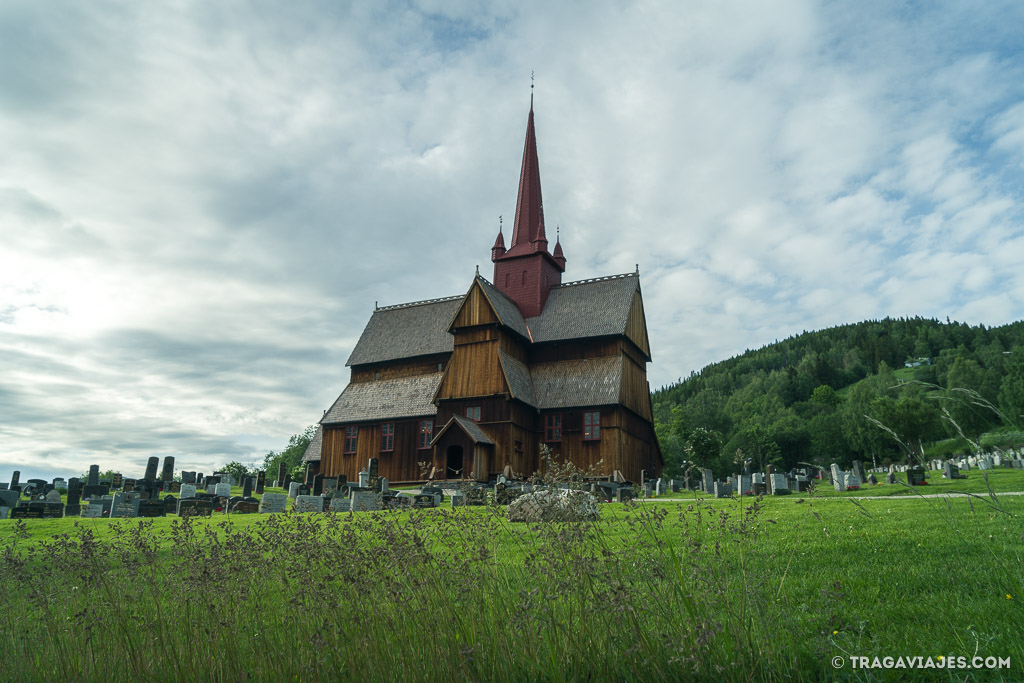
247, 485
16, 477
53, 496
189, 507
27, 512
330, 485
872, 479
9, 499
707, 480
168, 471
188, 491
245, 507
152, 508
915, 476
838, 478
858, 469
188, 477
339, 504
722, 490
310, 473
950, 471
261, 482
318, 485
74, 502
151, 467
5, 512
758, 478
458, 499
890, 478
117, 481
286, 482
223, 490
623, 494
383, 481
364, 479
128, 485
175, 487
851, 480
94, 476
280, 475
360, 501
373, 468
744, 484
93, 491
309, 504
273, 502
92, 511
426, 500
125, 505
293, 489
777, 484
305, 490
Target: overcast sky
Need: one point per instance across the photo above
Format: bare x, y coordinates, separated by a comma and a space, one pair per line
200, 202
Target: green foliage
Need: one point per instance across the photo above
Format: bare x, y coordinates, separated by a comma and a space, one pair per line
703, 446
291, 456
819, 397
237, 470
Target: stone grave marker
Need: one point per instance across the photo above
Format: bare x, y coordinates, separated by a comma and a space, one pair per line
94, 476
188, 507
117, 481
188, 491
261, 482
339, 504
330, 485
318, 485
360, 501
168, 472
175, 487
188, 477
245, 507
722, 490
125, 505
153, 508
273, 502
223, 490
9, 498
915, 476
293, 489
777, 484
309, 504
92, 511
247, 485
707, 480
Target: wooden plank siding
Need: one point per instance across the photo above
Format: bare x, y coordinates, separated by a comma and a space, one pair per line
401, 464
424, 365
636, 325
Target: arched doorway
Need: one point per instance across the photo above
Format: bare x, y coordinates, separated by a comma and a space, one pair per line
453, 462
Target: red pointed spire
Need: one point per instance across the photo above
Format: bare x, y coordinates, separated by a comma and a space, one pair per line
559, 256
498, 250
528, 230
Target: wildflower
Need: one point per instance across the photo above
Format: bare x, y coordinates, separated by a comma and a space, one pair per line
835, 633
1009, 597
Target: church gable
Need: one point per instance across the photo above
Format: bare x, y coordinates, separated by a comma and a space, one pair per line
484, 304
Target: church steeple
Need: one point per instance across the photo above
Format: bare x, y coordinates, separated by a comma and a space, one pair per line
527, 271
528, 229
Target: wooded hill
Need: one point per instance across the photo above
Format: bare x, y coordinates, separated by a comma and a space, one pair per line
844, 393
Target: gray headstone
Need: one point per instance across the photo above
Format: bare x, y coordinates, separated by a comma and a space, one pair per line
293, 489
777, 484
92, 511
364, 479
360, 501
168, 472
707, 480
9, 498
188, 491
309, 504
722, 490
93, 480
53, 496
339, 504
273, 502
125, 505
151, 467
223, 490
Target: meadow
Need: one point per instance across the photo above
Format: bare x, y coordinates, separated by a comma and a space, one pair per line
685, 588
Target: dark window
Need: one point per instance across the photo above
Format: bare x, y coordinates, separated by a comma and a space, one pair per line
473, 413
426, 432
387, 436
351, 434
553, 427
440, 367
592, 425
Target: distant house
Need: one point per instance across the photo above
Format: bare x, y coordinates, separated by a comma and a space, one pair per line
917, 362
473, 383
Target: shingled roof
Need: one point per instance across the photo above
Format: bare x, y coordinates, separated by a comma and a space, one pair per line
519, 381
315, 445
406, 331
588, 308
472, 430
574, 383
385, 399
506, 309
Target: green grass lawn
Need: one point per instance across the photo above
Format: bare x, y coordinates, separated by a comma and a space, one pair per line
751, 589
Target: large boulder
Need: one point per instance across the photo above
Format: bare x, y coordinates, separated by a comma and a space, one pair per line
557, 505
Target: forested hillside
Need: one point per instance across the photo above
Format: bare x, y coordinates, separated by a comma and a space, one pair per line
844, 393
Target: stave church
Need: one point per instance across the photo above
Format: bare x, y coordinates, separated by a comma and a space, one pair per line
468, 385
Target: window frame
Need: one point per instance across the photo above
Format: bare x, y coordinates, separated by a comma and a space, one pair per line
387, 437
592, 428
473, 413
552, 431
351, 440
426, 430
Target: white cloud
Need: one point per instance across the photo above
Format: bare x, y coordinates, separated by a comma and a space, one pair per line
199, 204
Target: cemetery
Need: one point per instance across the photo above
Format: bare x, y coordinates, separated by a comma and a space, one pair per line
517, 557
